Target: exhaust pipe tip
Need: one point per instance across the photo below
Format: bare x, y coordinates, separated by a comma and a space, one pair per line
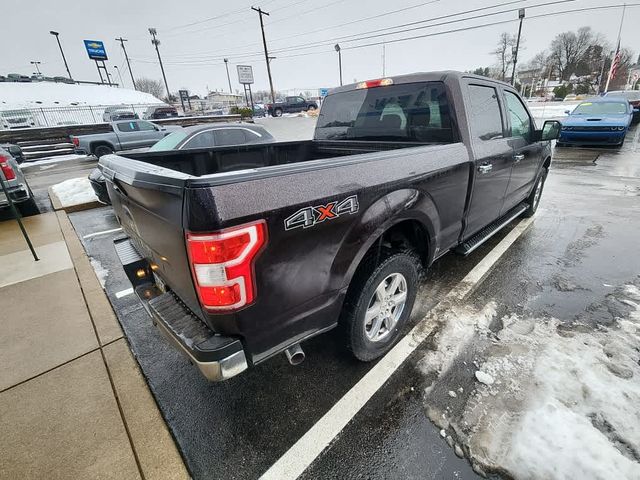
294, 354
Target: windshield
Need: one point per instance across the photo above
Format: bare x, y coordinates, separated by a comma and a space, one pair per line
169, 142
601, 108
414, 112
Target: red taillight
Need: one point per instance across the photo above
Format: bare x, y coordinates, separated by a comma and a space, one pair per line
76, 141
222, 265
7, 171
381, 82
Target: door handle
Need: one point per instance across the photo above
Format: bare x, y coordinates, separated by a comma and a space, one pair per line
518, 157
485, 168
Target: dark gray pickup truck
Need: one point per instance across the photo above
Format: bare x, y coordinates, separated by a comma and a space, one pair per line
240, 253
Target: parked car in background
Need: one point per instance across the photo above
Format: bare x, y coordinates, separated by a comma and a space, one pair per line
599, 121
259, 110
160, 111
118, 112
290, 105
633, 96
14, 119
196, 137
17, 186
124, 135
15, 151
242, 253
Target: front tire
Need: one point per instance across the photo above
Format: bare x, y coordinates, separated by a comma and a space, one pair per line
536, 194
379, 303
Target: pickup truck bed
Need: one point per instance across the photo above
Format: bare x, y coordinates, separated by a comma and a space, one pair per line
296, 232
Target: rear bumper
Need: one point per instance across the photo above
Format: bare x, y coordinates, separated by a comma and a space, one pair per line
18, 194
217, 357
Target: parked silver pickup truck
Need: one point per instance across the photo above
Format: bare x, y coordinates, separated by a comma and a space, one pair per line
124, 135
16, 185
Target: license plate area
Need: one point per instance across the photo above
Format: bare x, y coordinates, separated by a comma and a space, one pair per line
159, 283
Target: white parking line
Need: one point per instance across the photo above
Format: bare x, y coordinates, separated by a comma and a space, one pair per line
124, 293
311, 444
104, 232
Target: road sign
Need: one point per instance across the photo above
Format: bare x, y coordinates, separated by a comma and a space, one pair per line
323, 92
245, 74
95, 49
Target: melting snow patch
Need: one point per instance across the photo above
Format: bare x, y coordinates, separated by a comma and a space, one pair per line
553, 402
74, 191
101, 272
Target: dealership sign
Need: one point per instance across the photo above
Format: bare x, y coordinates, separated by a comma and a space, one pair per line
95, 49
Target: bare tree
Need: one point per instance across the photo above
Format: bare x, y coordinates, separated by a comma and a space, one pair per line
149, 85
503, 53
570, 51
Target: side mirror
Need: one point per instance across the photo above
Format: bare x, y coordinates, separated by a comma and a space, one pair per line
567, 112
550, 131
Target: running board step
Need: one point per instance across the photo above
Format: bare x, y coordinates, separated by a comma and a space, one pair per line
470, 244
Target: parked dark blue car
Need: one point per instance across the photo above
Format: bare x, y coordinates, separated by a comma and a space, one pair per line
599, 121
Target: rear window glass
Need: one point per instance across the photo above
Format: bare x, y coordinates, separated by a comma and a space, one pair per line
414, 112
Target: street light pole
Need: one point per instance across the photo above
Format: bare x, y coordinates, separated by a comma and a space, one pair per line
515, 55
153, 32
64, 59
226, 65
119, 75
122, 40
37, 68
266, 52
337, 47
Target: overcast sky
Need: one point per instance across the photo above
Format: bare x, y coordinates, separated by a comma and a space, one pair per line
193, 53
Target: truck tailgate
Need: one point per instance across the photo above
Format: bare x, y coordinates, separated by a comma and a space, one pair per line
149, 201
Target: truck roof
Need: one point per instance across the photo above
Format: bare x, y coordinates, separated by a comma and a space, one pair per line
439, 76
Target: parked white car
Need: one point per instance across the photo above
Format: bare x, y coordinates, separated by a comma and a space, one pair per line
12, 119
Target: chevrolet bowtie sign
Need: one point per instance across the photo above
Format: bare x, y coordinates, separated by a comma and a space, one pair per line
95, 49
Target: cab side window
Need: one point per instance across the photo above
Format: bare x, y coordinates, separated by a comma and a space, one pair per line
128, 127
484, 112
521, 122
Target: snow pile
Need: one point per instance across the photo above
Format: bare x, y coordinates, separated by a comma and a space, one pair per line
14, 95
101, 272
564, 400
74, 191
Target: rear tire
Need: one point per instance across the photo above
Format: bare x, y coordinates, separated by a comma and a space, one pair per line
277, 112
536, 194
388, 288
101, 150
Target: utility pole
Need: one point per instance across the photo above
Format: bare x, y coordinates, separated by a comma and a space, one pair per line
226, 64
153, 32
515, 54
337, 47
66, 65
384, 69
122, 40
35, 64
266, 52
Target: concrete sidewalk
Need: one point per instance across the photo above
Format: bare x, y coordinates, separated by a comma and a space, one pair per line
73, 403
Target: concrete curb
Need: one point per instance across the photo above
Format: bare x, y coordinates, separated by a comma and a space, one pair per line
57, 204
156, 453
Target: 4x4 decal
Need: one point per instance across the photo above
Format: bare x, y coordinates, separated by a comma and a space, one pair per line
311, 216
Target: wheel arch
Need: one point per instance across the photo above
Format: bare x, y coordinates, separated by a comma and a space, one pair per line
403, 219
99, 143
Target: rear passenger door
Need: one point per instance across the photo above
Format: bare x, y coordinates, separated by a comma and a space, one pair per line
492, 155
128, 134
526, 153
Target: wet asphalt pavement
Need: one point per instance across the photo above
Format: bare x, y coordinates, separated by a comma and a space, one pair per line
583, 240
